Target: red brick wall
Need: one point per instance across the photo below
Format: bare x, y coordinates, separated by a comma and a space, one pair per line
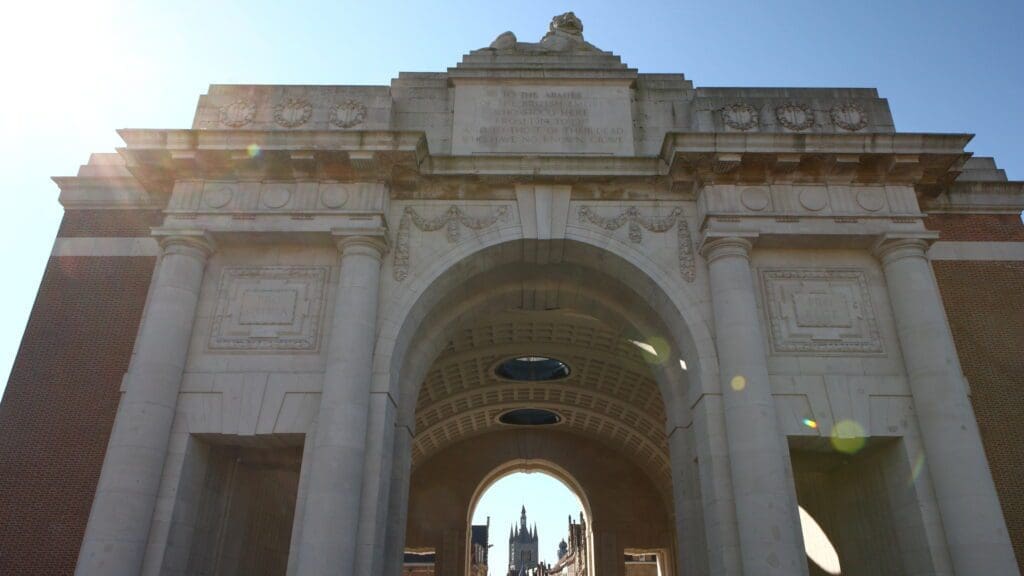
985, 305
977, 227
108, 223
59, 405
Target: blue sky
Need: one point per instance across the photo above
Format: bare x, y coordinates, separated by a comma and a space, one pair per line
73, 72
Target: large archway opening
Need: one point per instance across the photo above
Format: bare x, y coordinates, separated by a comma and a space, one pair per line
583, 363
549, 527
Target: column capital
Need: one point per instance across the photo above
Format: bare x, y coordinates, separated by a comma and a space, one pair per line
371, 242
892, 248
195, 243
713, 248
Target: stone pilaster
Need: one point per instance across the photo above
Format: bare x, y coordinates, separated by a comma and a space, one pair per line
122, 511
766, 509
971, 515
398, 503
331, 519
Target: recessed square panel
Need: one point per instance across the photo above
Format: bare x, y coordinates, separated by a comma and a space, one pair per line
270, 308
820, 311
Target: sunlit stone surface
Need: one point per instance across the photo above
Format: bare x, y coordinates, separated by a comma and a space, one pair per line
749, 369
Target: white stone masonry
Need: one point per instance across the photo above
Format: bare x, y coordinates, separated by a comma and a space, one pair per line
122, 511
971, 515
331, 516
765, 496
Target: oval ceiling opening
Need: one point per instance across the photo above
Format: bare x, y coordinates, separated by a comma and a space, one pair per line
532, 369
530, 417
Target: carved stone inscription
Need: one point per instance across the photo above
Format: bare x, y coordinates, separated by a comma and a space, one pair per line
269, 308
826, 311
542, 119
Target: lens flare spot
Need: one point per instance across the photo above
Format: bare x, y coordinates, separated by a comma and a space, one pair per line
915, 470
848, 436
810, 423
656, 350
738, 383
253, 150
644, 346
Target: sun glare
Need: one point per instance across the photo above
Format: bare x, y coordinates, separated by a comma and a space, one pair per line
77, 61
819, 548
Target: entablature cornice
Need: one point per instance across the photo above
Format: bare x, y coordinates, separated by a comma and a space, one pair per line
277, 207
928, 162
524, 168
864, 238
796, 215
323, 230
996, 197
87, 192
158, 158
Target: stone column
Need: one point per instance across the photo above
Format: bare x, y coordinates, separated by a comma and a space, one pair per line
771, 542
336, 468
971, 515
122, 511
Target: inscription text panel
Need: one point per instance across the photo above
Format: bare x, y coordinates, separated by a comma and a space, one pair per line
542, 119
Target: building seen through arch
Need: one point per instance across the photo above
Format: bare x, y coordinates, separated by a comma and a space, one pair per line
523, 551
304, 335
572, 550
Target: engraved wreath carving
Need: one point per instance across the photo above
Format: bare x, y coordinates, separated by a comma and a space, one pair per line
293, 112
740, 116
849, 117
795, 116
638, 222
238, 114
452, 221
348, 113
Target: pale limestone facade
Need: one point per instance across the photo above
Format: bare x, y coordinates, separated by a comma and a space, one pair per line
342, 267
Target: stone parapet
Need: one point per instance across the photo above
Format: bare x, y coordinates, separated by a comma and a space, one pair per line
791, 110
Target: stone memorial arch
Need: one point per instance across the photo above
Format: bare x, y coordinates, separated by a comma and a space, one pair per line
304, 335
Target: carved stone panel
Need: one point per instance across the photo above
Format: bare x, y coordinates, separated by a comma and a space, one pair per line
820, 311
271, 308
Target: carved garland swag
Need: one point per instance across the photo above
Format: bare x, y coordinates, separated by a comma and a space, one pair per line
637, 222
452, 221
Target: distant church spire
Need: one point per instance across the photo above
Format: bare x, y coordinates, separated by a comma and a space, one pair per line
523, 553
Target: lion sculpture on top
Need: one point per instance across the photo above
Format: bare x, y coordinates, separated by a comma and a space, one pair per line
565, 33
